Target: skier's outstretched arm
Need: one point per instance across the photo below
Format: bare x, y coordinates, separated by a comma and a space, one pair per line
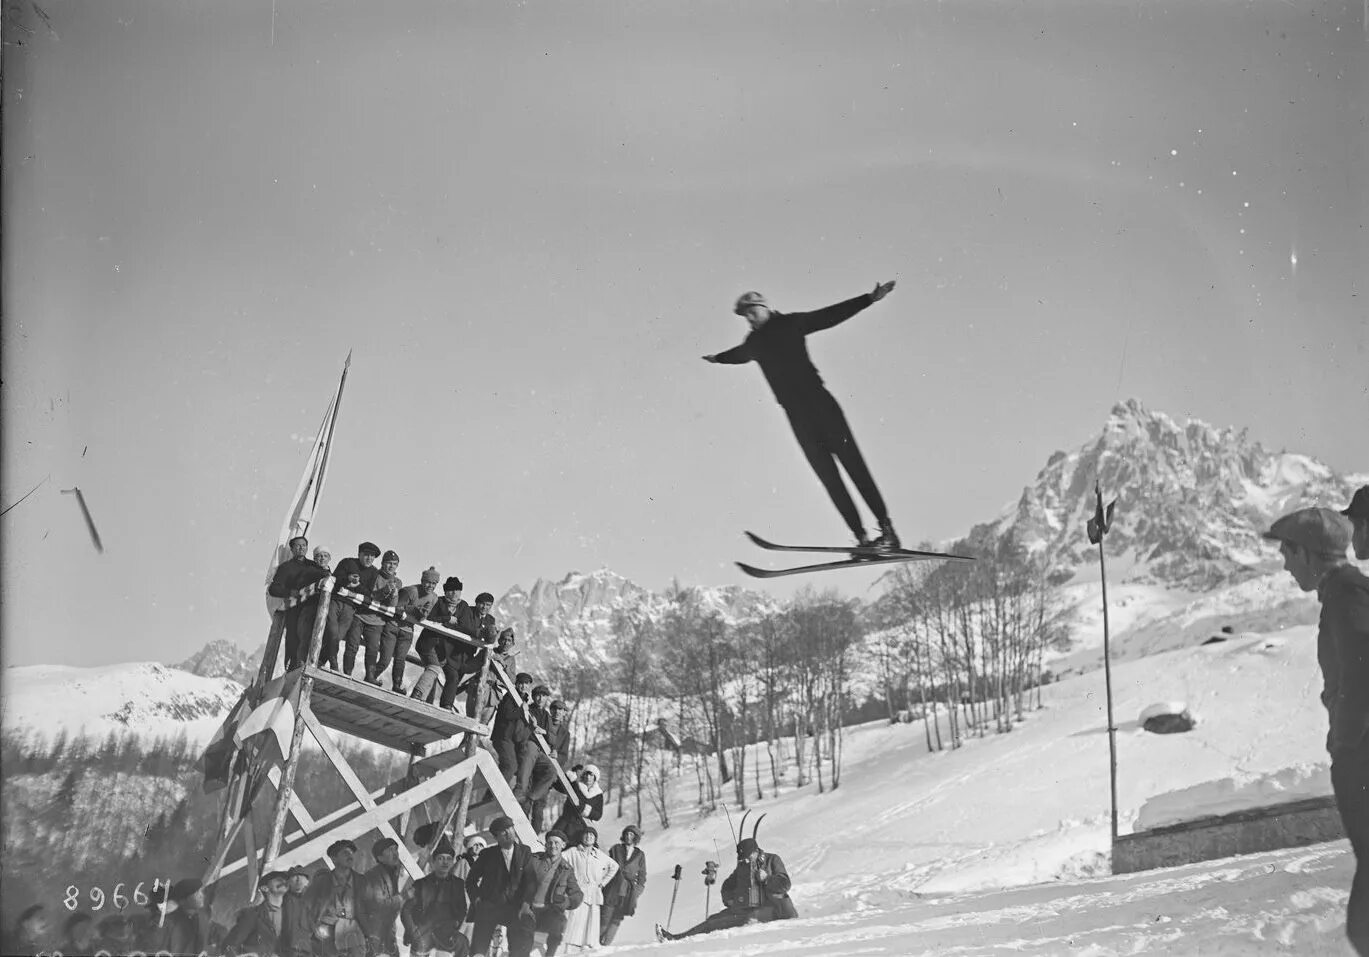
827, 318
735, 356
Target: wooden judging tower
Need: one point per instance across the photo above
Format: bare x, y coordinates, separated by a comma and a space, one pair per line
446, 764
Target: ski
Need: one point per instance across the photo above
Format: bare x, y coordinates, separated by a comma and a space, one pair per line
855, 550
846, 563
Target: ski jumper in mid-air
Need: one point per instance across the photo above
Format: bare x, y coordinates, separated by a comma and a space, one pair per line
777, 344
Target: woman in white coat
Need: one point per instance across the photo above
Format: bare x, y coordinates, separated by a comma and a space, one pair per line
593, 870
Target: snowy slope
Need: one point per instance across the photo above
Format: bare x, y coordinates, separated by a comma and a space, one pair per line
144, 698
1011, 809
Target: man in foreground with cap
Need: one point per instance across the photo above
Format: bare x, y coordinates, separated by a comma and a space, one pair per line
435, 910
548, 890
1358, 513
1313, 543
260, 929
756, 892
297, 572
623, 892
494, 887
333, 904
382, 895
298, 937
415, 602
777, 344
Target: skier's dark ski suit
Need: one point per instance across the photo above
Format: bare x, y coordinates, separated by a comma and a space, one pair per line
749, 898
779, 347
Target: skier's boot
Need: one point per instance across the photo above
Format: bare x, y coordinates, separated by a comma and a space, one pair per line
888, 538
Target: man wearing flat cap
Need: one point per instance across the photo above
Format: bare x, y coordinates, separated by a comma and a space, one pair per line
299, 571
415, 602
260, 929
435, 910
1358, 513
1313, 542
442, 657
382, 895
298, 938
356, 575
494, 886
512, 729
385, 591
334, 900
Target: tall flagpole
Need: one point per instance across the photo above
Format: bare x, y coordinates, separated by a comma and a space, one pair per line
1098, 527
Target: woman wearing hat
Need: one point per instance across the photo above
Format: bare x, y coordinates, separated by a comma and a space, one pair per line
623, 892
572, 821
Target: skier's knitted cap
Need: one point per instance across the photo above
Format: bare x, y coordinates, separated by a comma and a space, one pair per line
444, 846
430, 576
523, 678
558, 705
1359, 504
632, 829
541, 690
508, 633
299, 871
1319, 530
383, 845
476, 842
452, 584
748, 299
589, 830
555, 833
591, 769
369, 548
484, 596
390, 556
746, 845
338, 846
501, 824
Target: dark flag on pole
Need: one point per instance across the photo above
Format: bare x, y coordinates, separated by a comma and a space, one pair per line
1102, 518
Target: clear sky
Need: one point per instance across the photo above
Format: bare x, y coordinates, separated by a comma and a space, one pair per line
530, 220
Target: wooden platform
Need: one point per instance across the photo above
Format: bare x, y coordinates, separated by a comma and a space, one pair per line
1293, 824
383, 717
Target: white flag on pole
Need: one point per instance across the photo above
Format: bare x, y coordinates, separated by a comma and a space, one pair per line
305, 503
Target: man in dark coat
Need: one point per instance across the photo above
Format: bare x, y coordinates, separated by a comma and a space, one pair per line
299, 571
530, 755
542, 775
625, 889
512, 730
434, 912
357, 575
382, 896
185, 929
549, 889
495, 885
777, 343
756, 892
1313, 542
443, 657
260, 929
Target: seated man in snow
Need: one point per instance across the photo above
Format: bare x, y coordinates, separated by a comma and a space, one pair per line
755, 893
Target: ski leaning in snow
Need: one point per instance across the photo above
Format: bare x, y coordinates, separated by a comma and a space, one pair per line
859, 555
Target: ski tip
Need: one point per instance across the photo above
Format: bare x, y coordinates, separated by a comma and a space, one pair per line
756, 539
751, 570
